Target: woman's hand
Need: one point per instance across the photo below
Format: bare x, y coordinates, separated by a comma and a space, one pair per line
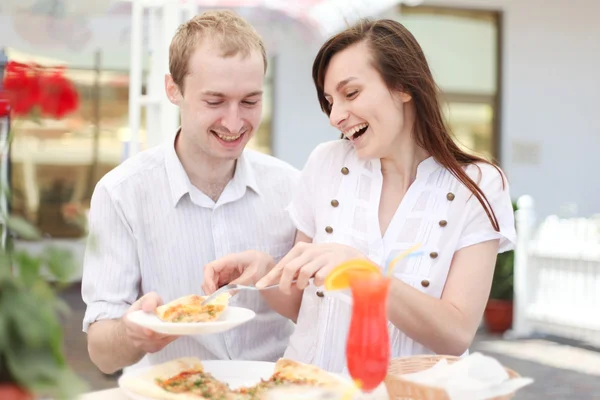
306, 261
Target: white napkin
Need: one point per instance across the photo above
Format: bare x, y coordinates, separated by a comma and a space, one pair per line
475, 377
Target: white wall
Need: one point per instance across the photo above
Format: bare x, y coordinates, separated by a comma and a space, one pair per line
551, 90
69, 42
298, 122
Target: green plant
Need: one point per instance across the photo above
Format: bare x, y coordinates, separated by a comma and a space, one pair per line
502, 283
31, 336
503, 280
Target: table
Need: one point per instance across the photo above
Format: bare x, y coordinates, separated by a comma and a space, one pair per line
107, 394
117, 394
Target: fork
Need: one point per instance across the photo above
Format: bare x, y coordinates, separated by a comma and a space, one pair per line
234, 287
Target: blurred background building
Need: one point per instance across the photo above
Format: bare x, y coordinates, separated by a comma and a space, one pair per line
518, 82
518, 79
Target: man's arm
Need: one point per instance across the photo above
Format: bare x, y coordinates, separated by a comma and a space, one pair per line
117, 343
110, 287
106, 339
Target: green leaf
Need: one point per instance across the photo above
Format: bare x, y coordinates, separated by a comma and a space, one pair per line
5, 191
38, 370
503, 280
47, 295
34, 348
60, 263
31, 319
5, 267
23, 228
4, 324
28, 267
61, 307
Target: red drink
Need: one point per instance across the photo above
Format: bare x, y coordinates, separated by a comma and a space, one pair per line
368, 345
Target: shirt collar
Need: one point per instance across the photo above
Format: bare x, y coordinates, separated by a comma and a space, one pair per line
427, 167
424, 169
178, 178
245, 173
180, 184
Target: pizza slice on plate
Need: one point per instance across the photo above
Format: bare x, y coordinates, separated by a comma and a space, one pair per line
289, 373
186, 379
181, 379
190, 309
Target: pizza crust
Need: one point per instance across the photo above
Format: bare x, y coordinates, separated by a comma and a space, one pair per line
145, 384
291, 369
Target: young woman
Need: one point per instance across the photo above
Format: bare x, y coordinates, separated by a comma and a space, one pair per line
396, 178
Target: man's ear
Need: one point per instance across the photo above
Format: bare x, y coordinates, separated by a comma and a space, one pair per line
172, 90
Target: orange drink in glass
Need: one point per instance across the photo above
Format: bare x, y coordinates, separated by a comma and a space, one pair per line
368, 343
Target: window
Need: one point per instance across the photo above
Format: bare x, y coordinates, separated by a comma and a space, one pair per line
262, 138
60, 161
463, 51
56, 163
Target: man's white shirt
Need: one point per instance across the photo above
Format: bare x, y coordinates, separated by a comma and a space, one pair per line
153, 231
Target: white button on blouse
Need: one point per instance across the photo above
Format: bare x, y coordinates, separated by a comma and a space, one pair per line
337, 200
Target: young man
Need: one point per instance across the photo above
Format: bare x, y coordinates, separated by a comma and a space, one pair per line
159, 217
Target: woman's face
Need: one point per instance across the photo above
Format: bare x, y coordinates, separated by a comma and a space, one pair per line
362, 107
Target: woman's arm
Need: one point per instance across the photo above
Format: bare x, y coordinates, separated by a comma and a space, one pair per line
287, 305
447, 325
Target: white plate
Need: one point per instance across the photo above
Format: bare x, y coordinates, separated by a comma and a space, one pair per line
231, 317
234, 373
246, 373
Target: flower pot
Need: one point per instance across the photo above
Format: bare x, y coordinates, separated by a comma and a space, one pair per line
498, 315
10, 391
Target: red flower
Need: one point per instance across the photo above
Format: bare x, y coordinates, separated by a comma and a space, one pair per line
58, 96
4, 106
27, 86
21, 87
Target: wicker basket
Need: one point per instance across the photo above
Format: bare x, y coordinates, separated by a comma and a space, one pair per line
403, 389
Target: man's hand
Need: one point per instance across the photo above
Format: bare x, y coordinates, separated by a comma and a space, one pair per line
244, 268
142, 338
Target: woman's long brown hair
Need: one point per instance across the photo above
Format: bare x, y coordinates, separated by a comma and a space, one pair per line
399, 59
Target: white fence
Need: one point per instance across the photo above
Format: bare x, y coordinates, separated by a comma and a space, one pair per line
557, 276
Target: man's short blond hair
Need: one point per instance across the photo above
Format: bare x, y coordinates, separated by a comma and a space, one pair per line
230, 31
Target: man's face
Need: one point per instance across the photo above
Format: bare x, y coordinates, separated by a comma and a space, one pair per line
221, 104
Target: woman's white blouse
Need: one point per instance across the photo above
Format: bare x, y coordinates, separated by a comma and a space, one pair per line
338, 200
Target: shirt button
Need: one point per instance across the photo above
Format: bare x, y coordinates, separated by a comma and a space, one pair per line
443, 223
328, 229
433, 254
345, 171
335, 203
320, 294
450, 196
425, 283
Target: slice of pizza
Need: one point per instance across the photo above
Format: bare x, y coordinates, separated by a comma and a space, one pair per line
181, 379
289, 373
190, 309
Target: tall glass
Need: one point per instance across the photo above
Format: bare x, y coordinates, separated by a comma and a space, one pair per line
368, 345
